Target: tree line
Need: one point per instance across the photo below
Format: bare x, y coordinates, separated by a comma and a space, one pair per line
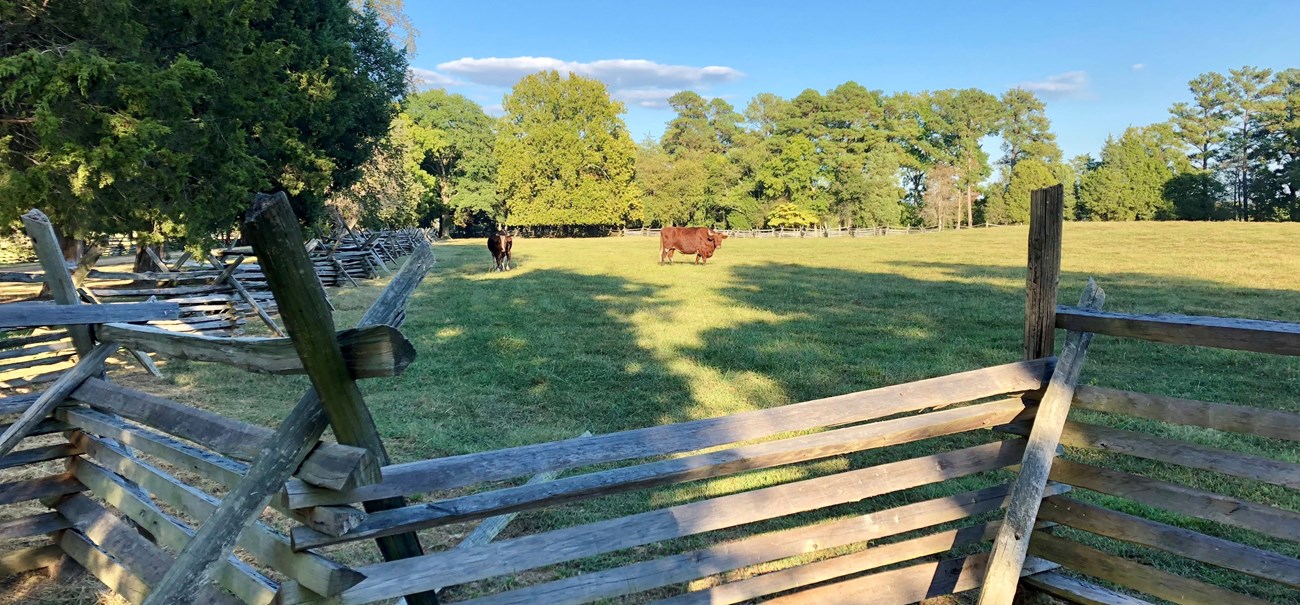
561, 156
160, 119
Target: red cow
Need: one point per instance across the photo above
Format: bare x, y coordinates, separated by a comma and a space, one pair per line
700, 241
499, 245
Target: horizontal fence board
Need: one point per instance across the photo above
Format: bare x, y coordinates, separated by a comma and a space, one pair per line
142, 558
808, 574
1176, 540
43, 487
42, 349
38, 454
371, 352
17, 404
212, 467
673, 569
33, 314
712, 464
910, 584
34, 525
1180, 499
458, 566
313, 571
1246, 420
1131, 574
1256, 335
29, 559
114, 575
1276, 472
36, 362
23, 341
1079, 591
329, 464
469, 469
236, 576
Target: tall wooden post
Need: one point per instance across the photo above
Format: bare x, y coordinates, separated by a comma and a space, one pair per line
1046, 218
333, 400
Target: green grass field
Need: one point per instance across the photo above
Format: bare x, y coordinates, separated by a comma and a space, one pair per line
592, 334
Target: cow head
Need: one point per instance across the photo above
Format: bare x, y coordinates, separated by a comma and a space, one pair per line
716, 237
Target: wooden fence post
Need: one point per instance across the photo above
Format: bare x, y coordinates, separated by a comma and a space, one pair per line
1046, 217
275, 235
1012, 543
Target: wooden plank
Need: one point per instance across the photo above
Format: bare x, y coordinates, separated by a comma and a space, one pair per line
1043, 274
44, 427
712, 464
909, 584
1130, 574
1275, 472
457, 566
22, 341
36, 362
54, 347
1181, 499
107, 570
1260, 336
33, 525
33, 314
38, 454
371, 352
755, 550
1176, 540
17, 404
273, 230
50, 255
140, 557
826, 570
90, 364
1274, 424
236, 576
459, 471
492, 527
160, 292
1012, 544
317, 573
243, 292
1079, 591
28, 559
213, 467
327, 464
34, 489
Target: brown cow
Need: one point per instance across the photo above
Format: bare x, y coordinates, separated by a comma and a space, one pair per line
499, 245
700, 241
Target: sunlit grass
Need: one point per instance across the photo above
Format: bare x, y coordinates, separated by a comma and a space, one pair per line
594, 335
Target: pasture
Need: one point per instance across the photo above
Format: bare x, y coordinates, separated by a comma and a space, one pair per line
594, 335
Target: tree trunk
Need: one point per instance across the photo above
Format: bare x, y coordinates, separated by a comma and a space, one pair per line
144, 264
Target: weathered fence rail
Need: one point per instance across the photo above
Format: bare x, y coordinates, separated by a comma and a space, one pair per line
851, 547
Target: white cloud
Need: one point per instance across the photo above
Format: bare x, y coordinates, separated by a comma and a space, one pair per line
634, 80
1139, 66
428, 77
1068, 85
655, 98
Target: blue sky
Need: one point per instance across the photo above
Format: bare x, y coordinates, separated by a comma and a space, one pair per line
1100, 66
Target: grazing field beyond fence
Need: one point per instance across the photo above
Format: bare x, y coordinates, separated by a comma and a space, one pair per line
594, 335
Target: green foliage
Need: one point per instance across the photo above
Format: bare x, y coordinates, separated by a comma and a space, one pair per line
162, 117
1011, 205
457, 139
790, 216
564, 155
394, 189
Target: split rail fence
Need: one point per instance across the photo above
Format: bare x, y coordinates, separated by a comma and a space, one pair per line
216, 295
813, 537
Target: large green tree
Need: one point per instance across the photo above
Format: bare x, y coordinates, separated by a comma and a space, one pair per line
564, 155
161, 117
458, 155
